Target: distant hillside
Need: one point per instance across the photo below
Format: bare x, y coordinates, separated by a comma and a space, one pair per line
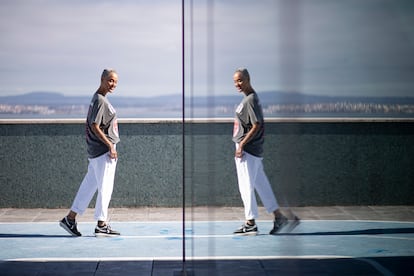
43, 98
267, 98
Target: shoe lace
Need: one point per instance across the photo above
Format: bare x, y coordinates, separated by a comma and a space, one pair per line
108, 228
70, 224
246, 227
279, 222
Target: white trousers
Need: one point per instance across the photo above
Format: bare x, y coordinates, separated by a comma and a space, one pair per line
100, 177
251, 178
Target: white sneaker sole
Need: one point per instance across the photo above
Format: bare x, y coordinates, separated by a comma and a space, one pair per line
252, 233
105, 235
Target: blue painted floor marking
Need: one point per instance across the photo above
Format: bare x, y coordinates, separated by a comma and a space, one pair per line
155, 240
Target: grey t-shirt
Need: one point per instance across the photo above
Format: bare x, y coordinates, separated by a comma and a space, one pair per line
103, 114
248, 113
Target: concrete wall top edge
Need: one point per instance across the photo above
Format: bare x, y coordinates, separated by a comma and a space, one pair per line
212, 120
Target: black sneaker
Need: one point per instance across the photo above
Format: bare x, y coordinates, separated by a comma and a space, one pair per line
278, 224
293, 223
105, 231
246, 229
70, 226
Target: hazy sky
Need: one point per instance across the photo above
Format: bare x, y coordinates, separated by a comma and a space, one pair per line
330, 47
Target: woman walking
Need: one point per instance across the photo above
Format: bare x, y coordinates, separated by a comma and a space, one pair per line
101, 138
248, 135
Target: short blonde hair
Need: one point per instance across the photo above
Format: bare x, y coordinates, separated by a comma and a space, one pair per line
106, 72
244, 73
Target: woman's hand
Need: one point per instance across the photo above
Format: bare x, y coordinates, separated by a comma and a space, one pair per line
113, 154
239, 152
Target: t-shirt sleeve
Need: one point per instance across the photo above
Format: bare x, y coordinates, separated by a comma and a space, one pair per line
253, 111
97, 112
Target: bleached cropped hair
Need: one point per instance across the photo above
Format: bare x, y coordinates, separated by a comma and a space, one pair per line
244, 72
106, 72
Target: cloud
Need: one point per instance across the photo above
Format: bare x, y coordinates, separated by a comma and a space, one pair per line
320, 46
64, 46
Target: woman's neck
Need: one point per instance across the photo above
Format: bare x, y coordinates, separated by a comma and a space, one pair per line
249, 91
101, 91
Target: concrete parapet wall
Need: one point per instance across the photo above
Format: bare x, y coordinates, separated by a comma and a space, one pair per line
309, 162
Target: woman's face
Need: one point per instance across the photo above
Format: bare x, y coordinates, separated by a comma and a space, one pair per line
240, 82
110, 82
